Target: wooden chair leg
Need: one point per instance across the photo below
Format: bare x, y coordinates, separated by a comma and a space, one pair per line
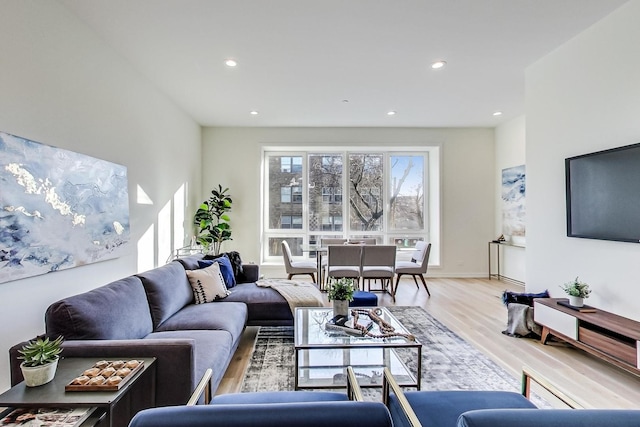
289, 276
415, 280
313, 277
425, 284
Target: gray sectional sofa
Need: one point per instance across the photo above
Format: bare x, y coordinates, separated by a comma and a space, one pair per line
152, 314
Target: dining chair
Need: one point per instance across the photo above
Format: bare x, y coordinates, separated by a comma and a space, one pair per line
297, 267
378, 262
343, 261
324, 242
416, 267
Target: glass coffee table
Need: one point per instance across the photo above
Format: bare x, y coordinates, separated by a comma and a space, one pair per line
322, 355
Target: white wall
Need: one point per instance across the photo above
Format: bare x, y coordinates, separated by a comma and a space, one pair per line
62, 86
510, 152
581, 98
232, 158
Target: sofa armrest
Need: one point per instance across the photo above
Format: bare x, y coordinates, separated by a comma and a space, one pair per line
250, 273
175, 362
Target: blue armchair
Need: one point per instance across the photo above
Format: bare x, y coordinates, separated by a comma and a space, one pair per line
495, 408
271, 409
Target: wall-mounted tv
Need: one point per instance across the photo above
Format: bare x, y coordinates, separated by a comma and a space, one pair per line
603, 194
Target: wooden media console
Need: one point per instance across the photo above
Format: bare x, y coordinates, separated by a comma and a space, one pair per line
610, 337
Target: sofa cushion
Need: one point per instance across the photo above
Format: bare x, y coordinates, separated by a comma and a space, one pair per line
442, 408
265, 305
551, 418
213, 349
168, 290
190, 262
207, 284
225, 316
225, 269
115, 311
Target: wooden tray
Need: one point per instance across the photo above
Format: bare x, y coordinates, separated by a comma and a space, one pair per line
106, 387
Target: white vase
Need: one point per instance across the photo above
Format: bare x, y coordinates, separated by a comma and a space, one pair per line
38, 375
341, 307
576, 301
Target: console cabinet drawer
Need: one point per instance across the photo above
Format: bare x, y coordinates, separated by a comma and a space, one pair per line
609, 345
554, 319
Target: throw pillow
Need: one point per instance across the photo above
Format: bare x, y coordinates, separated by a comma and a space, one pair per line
236, 263
207, 284
225, 269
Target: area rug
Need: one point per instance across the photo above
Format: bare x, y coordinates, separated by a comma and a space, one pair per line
448, 361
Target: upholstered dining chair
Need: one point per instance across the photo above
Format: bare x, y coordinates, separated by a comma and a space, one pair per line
343, 261
326, 241
416, 267
297, 267
378, 262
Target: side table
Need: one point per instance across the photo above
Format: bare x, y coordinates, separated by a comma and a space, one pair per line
118, 406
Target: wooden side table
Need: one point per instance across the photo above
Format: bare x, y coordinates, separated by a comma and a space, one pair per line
118, 406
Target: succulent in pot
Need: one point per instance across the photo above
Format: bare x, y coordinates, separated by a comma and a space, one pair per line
40, 360
341, 292
577, 291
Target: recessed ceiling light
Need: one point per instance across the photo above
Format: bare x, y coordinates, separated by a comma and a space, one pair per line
253, 113
391, 113
438, 64
230, 63
497, 113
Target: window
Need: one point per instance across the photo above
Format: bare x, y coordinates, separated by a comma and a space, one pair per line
291, 164
388, 197
291, 221
332, 223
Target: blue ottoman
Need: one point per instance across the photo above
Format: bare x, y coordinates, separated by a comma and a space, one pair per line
364, 299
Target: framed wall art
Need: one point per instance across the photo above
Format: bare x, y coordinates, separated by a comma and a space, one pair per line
58, 209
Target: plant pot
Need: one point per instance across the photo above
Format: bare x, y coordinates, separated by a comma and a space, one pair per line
341, 307
38, 375
576, 301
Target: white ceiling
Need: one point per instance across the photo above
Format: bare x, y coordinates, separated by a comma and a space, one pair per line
299, 59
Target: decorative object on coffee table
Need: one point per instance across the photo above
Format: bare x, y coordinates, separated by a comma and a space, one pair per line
40, 360
577, 292
212, 220
341, 292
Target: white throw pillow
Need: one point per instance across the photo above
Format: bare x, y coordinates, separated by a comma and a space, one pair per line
207, 284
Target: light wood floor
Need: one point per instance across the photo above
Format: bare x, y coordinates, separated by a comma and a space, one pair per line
473, 309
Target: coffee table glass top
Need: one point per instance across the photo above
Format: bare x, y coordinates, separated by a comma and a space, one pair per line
310, 331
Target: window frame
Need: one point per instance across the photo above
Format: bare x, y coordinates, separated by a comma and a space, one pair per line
431, 203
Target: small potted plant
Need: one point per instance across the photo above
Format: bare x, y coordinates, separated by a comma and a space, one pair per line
40, 360
341, 292
577, 292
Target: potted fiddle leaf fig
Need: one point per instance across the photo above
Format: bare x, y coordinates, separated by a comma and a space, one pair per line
577, 292
341, 292
40, 360
212, 220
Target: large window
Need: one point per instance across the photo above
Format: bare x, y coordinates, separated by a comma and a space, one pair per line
350, 194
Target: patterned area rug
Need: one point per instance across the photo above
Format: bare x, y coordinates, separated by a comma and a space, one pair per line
448, 361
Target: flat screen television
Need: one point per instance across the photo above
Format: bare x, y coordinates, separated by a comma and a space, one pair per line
603, 194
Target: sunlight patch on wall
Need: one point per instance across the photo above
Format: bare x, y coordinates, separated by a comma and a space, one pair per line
145, 250
142, 197
179, 218
164, 233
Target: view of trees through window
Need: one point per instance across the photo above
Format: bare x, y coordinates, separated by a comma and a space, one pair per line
344, 194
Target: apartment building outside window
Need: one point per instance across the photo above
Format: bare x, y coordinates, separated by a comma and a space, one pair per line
304, 198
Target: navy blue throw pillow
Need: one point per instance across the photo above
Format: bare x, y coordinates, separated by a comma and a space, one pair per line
225, 269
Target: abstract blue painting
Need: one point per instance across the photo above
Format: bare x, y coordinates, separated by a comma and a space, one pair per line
513, 201
58, 209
